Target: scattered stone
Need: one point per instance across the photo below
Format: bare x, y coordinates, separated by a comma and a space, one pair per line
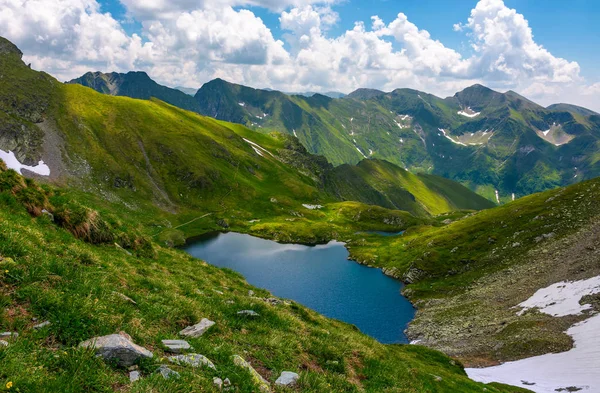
287, 378
193, 360
250, 292
167, 373
124, 297
248, 313
226, 382
198, 329
9, 335
516, 244
437, 378
229, 302
273, 200
218, 382
447, 222
3, 343
217, 292
263, 385
273, 301
177, 346
134, 376
42, 325
117, 347
223, 223
47, 213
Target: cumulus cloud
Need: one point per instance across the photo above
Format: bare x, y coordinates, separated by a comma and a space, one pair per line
188, 42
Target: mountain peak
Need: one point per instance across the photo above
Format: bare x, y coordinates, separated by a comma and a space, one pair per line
365, 94
7, 47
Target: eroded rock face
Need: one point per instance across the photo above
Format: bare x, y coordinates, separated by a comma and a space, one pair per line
262, 384
198, 329
118, 348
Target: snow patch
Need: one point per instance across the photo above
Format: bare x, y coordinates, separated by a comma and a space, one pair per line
513, 196
257, 148
578, 368
562, 298
449, 137
497, 196
363, 154
469, 113
370, 152
241, 103
12, 162
296, 135
312, 207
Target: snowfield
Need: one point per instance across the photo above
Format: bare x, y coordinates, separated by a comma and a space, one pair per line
577, 369
257, 148
12, 162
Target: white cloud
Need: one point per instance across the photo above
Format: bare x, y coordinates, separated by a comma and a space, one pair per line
189, 42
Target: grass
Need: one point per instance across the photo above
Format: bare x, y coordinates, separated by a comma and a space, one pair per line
50, 274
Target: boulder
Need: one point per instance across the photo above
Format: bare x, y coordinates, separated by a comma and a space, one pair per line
176, 346
287, 378
198, 329
3, 343
192, 359
118, 348
218, 382
263, 385
167, 373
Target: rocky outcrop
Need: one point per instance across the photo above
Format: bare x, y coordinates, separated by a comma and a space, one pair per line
118, 348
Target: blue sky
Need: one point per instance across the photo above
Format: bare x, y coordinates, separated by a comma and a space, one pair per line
546, 50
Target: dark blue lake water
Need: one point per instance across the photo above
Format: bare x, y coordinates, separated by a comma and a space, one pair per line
319, 277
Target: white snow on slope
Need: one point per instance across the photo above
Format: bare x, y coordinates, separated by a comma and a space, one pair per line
452, 140
312, 207
257, 148
12, 162
467, 114
578, 368
497, 196
363, 154
296, 135
562, 298
241, 103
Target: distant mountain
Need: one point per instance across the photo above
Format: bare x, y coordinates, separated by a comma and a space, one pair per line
330, 94
187, 90
573, 109
497, 144
135, 84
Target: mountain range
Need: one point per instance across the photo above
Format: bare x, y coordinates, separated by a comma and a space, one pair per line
100, 183
500, 145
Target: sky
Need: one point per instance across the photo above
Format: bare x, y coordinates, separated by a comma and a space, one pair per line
546, 50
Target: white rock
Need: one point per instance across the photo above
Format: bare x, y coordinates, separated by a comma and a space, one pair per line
42, 325
287, 378
176, 346
118, 348
218, 382
134, 376
9, 335
3, 343
198, 329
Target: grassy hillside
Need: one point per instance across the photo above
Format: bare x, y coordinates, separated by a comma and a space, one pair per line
467, 276
66, 269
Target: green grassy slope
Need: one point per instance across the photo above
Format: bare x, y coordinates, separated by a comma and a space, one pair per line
47, 273
467, 277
